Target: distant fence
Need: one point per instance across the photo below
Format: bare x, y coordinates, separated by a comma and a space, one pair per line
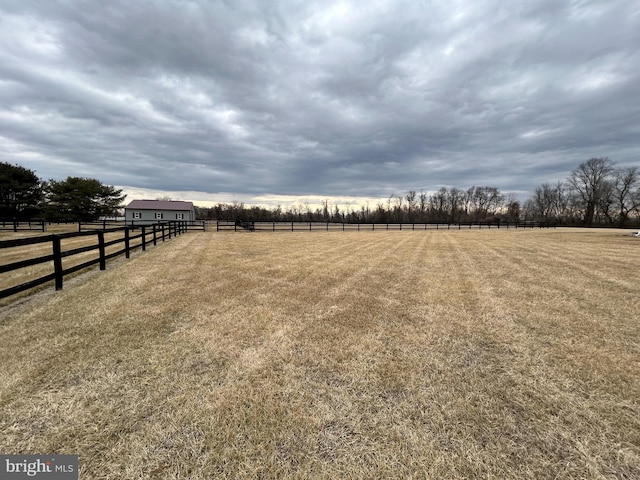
24, 225
187, 225
146, 234
222, 225
41, 225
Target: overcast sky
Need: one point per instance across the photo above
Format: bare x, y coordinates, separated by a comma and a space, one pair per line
278, 101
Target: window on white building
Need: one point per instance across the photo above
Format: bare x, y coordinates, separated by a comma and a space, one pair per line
137, 214
179, 216
158, 215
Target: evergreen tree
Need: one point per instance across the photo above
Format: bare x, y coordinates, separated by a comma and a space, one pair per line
20, 192
81, 198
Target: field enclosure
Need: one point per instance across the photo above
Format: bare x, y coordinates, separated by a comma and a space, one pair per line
440, 354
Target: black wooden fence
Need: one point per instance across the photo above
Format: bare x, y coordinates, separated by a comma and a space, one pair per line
41, 225
146, 234
187, 225
23, 225
222, 225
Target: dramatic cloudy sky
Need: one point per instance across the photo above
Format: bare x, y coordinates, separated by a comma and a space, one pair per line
275, 101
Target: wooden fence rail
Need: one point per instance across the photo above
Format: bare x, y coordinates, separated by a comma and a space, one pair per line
222, 225
104, 224
23, 225
146, 234
41, 224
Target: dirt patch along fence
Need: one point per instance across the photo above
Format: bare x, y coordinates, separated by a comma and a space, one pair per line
109, 243
222, 225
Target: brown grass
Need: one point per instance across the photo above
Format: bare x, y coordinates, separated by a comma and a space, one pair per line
461, 354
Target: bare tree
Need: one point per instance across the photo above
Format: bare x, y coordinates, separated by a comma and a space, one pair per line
484, 201
410, 197
626, 192
550, 201
423, 205
438, 204
589, 185
325, 209
455, 202
511, 209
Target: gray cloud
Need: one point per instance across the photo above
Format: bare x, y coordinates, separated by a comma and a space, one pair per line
318, 98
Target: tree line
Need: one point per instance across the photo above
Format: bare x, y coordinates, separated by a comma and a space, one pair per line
447, 205
597, 192
24, 196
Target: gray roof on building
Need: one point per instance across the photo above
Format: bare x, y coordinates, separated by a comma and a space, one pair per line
159, 205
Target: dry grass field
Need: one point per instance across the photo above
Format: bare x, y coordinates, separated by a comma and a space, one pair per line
440, 354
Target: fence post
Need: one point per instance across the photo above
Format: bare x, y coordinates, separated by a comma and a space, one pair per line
154, 235
57, 261
162, 227
101, 249
126, 242
144, 238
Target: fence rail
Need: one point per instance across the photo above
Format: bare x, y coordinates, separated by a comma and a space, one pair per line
132, 239
41, 224
24, 225
104, 224
222, 225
